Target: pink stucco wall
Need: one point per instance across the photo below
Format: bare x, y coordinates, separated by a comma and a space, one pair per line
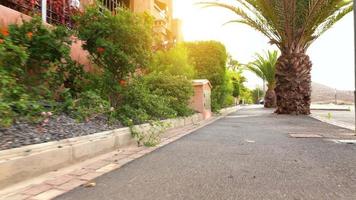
202, 91
9, 16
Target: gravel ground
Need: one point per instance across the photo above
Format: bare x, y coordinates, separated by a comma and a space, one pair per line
58, 128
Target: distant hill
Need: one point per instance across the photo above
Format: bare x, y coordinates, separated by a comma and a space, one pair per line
324, 94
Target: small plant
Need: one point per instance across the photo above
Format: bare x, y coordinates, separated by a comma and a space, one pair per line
152, 136
329, 116
88, 105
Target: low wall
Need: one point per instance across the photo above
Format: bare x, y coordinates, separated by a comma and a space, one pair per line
30, 161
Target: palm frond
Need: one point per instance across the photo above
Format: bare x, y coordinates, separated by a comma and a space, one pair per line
290, 24
265, 66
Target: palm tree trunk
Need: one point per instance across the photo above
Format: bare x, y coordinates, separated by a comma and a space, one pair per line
270, 98
293, 84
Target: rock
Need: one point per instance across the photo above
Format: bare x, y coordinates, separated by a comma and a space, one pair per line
58, 128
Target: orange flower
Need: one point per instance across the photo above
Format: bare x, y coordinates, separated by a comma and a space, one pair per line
5, 32
29, 35
100, 50
1, 41
122, 83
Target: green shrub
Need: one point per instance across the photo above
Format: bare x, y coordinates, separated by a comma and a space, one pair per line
155, 96
229, 101
118, 44
88, 105
47, 49
246, 96
174, 62
35, 67
16, 102
257, 95
140, 104
178, 90
209, 59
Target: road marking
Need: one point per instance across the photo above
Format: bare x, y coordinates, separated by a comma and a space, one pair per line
344, 141
241, 116
304, 135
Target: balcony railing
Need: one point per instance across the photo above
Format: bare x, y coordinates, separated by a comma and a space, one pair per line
112, 5
159, 13
55, 11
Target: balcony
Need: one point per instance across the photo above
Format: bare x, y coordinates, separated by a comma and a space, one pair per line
112, 5
160, 11
58, 12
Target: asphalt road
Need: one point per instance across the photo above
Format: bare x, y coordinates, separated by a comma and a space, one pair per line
247, 155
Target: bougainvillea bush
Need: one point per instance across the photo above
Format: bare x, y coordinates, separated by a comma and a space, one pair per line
34, 64
118, 44
38, 76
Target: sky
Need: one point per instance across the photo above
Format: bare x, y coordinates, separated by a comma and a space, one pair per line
332, 54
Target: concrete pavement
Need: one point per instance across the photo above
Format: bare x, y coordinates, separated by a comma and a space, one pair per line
246, 155
343, 117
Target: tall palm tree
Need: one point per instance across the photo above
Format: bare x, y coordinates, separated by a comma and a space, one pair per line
265, 67
292, 25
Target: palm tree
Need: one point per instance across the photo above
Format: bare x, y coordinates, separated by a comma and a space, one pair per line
292, 25
264, 67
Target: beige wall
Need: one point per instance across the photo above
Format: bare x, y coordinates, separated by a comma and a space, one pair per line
142, 6
177, 29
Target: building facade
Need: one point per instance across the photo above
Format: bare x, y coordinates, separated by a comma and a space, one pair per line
166, 28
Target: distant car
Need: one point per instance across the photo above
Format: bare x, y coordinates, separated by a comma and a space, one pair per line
261, 102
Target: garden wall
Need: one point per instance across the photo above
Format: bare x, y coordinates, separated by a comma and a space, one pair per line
30, 161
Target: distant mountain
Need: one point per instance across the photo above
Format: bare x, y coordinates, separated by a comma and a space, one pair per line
324, 94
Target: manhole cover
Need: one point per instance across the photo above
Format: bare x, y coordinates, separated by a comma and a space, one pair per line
304, 135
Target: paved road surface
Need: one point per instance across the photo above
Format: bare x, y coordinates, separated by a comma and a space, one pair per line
247, 155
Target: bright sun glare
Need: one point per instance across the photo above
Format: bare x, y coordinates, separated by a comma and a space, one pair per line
332, 54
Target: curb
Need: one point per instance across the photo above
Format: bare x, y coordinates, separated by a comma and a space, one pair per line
333, 122
50, 186
331, 109
17, 165
26, 162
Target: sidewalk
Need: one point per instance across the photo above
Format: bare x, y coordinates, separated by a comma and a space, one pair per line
341, 118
